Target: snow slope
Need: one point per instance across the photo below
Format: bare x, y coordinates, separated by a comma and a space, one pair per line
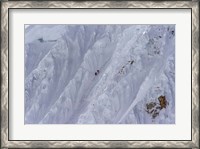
136, 65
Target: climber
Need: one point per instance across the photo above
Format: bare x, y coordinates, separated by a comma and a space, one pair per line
97, 72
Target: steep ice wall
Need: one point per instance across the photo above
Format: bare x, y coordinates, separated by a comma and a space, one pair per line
98, 73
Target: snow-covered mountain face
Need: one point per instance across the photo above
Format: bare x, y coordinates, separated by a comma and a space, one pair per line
100, 74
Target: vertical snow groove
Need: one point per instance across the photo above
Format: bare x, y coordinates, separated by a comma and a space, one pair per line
145, 86
100, 64
155, 72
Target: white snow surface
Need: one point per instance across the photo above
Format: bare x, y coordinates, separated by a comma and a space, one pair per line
136, 65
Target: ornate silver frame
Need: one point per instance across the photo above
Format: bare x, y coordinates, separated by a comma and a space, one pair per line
6, 143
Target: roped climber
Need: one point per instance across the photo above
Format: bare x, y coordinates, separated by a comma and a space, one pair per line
97, 72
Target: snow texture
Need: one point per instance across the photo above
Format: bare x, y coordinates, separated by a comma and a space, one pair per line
99, 74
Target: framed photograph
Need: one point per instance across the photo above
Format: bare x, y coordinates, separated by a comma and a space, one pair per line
99, 74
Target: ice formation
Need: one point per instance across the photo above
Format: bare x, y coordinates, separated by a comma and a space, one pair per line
99, 74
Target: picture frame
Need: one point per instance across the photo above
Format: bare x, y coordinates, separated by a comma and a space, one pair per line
7, 6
